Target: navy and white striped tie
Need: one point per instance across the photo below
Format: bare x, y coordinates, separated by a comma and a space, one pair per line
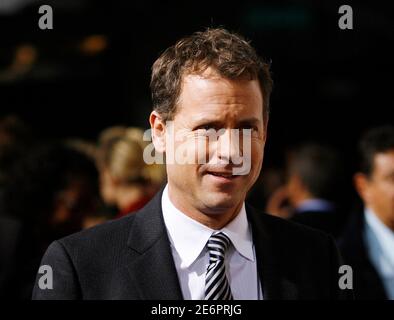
216, 282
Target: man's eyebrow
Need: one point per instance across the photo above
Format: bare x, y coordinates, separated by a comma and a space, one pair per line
208, 123
249, 121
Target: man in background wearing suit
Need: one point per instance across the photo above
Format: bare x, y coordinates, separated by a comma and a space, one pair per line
314, 185
368, 241
197, 239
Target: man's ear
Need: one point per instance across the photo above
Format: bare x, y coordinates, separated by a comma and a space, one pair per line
158, 131
360, 181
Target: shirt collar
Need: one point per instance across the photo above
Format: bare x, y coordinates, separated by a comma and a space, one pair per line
384, 235
189, 237
315, 205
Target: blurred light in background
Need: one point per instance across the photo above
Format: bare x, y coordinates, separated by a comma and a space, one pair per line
94, 44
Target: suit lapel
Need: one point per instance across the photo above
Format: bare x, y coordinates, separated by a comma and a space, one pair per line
274, 282
354, 249
152, 268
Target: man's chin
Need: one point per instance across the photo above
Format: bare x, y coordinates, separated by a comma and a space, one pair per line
220, 202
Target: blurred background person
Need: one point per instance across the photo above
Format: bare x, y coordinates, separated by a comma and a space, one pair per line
103, 212
368, 241
49, 191
126, 181
266, 185
315, 178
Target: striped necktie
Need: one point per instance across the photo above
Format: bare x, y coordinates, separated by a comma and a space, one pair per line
216, 283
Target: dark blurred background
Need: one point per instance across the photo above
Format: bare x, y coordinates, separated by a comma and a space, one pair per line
92, 71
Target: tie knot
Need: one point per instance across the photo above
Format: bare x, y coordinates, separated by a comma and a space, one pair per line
217, 245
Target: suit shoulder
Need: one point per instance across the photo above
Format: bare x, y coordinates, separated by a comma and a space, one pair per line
291, 231
105, 235
299, 244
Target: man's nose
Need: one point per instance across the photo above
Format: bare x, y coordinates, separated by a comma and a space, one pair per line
229, 147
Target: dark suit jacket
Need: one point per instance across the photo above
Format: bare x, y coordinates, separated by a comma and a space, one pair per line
331, 222
367, 283
131, 258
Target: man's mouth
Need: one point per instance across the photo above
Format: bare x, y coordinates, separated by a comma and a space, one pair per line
223, 176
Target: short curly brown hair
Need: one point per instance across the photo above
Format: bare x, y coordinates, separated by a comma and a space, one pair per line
228, 53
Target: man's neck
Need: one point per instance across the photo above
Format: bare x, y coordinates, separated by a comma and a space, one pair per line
213, 218
389, 223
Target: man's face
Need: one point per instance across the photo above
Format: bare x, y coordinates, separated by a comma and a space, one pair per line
379, 191
211, 102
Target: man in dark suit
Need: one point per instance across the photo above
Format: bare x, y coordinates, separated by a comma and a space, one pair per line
315, 181
311, 195
368, 240
197, 239
367, 282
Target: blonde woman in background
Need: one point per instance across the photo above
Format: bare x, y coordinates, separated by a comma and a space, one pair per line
126, 181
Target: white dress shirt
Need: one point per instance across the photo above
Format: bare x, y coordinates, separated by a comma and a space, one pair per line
379, 241
188, 240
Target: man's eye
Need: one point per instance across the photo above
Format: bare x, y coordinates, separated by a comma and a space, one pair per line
205, 128
202, 131
253, 128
